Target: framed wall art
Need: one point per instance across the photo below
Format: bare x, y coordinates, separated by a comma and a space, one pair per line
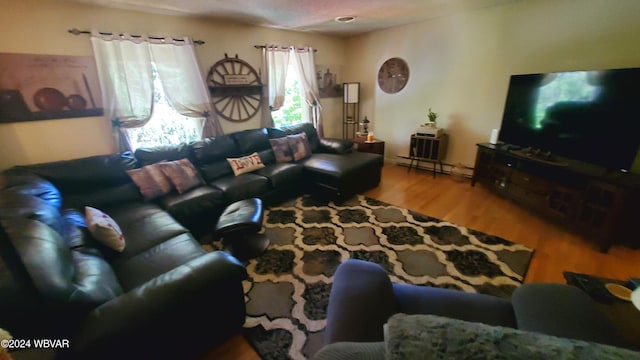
41, 87
329, 80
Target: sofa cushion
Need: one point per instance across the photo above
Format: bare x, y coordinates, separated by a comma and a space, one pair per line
210, 156
193, 203
245, 164
157, 260
182, 174
31, 185
214, 170
151, 180
144, 225
85, 174
300, 148
214, 149
49, 268
94, 280
104, 228
336, 146
57, 274
100, 198
14, 204
281, 174
241, 187
151, 155
252, 140
336, 170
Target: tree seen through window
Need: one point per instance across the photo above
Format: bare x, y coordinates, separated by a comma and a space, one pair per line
166, 126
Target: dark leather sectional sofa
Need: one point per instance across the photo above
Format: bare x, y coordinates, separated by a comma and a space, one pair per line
163, 296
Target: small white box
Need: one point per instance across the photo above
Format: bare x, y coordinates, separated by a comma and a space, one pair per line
429, 131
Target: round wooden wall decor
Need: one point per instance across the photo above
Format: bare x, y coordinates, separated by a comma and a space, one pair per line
393, 75
235, 88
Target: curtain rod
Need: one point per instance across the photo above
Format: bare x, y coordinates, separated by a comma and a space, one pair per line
75, 31
281, 47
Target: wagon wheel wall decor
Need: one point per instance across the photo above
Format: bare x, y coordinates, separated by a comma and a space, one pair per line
235, 88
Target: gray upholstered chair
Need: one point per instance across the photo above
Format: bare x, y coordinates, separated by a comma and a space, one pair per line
363, 298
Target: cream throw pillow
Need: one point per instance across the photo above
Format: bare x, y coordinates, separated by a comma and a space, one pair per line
104, 228
245, 164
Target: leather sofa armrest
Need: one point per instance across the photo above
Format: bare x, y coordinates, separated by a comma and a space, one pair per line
335, 146
160, 315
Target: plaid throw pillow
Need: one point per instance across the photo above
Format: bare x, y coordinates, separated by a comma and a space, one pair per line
151, 181
299, 146
281, 149
182, 174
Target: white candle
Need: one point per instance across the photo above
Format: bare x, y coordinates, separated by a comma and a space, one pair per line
494, 136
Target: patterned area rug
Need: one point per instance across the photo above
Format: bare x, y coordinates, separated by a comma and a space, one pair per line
288, 287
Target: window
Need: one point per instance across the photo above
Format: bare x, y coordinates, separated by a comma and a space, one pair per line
166, 126
294, 110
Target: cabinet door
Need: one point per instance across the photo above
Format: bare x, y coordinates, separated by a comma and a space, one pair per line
562, 203
424, 148
601, 205
482, 170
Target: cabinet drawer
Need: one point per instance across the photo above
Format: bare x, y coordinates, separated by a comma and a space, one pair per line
530, 182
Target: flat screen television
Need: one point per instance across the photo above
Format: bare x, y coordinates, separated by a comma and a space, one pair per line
591, 116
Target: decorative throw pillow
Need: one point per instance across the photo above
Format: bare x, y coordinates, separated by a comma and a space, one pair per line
281, 149
104, 228
299, 146
245, 164
151, 181
182, 174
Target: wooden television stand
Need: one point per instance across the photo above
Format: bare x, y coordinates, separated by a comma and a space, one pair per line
599, 205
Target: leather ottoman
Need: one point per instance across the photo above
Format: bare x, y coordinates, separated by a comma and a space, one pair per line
238, 228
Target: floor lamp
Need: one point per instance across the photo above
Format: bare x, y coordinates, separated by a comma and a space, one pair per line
350, 109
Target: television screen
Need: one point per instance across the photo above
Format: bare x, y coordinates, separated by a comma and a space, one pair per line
591, 116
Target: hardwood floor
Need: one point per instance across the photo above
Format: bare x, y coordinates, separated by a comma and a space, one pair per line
443, 197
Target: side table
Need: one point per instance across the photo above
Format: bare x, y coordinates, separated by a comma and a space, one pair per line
429, 149
622, 314
374, 147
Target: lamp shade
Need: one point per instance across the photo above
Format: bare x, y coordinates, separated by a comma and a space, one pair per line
351, 93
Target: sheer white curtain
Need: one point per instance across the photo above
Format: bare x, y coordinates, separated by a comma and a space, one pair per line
276, 61
181, 78
305, 64
125, 70
126, 83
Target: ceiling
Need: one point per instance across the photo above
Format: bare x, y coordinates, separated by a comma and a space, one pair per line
308, 15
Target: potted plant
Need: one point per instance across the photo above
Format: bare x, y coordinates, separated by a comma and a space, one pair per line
432, 118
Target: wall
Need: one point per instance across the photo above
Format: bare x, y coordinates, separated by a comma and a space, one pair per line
460, 65
40, 27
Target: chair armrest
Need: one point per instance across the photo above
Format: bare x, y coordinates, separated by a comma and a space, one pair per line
160, 314
335, 146
563, 311
360, 302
